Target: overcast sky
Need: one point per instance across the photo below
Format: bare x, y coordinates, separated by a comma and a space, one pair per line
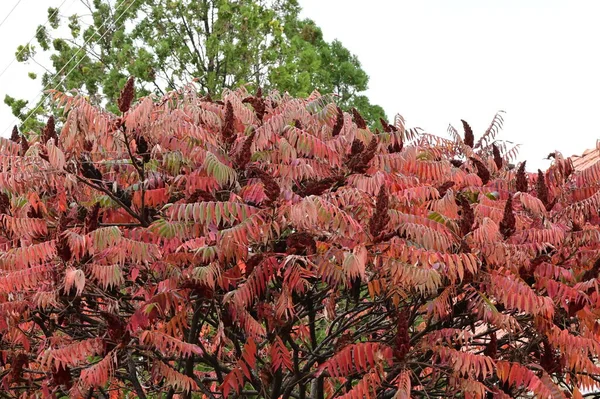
435, 62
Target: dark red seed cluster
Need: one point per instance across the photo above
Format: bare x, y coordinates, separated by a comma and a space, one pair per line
4, 203
115, 326
482, 171
339, 122
491, 348
258, 103
244, 155
359, 158
467, 217
357, 148
521, 178
127, 96
24, 146
549, 360
317, 187
253, 261
402, 339
443, 189
456, 163
358, 119
380, 218
301, 243
18, 363
91, 221
49, 131
497, 157
385, 125
593, 272
89, 171
398, 145
469, 136
142, 148
508, 222
88, 145
15, 137
62, 245
541, 189
200, 196
227, 130
62, 376
271, 187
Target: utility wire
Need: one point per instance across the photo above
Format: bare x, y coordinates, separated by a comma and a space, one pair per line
74, 66
32, 37
9, 13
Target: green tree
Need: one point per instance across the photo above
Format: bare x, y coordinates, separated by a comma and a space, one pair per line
165, 43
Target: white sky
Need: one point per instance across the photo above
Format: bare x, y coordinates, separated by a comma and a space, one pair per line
435, 62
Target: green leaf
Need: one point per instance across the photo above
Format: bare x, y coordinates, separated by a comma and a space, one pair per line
42, 37
221, 43
222, 173
493, 196
53, 17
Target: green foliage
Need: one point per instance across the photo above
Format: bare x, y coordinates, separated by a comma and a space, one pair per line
41, 36
25, 52
15, 105
53, 17
220, 43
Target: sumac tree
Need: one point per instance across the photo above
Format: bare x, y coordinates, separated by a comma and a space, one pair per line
274, 247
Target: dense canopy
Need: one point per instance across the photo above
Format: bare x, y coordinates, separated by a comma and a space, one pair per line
266, 246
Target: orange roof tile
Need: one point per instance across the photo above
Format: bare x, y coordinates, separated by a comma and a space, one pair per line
588, 158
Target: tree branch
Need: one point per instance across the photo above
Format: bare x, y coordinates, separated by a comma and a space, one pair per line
141, 176
112, 197
134, 379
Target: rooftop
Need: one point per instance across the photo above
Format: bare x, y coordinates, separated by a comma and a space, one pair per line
587, 159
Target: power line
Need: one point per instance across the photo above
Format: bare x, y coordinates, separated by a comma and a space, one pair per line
32, 37
9, 13
74, 66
